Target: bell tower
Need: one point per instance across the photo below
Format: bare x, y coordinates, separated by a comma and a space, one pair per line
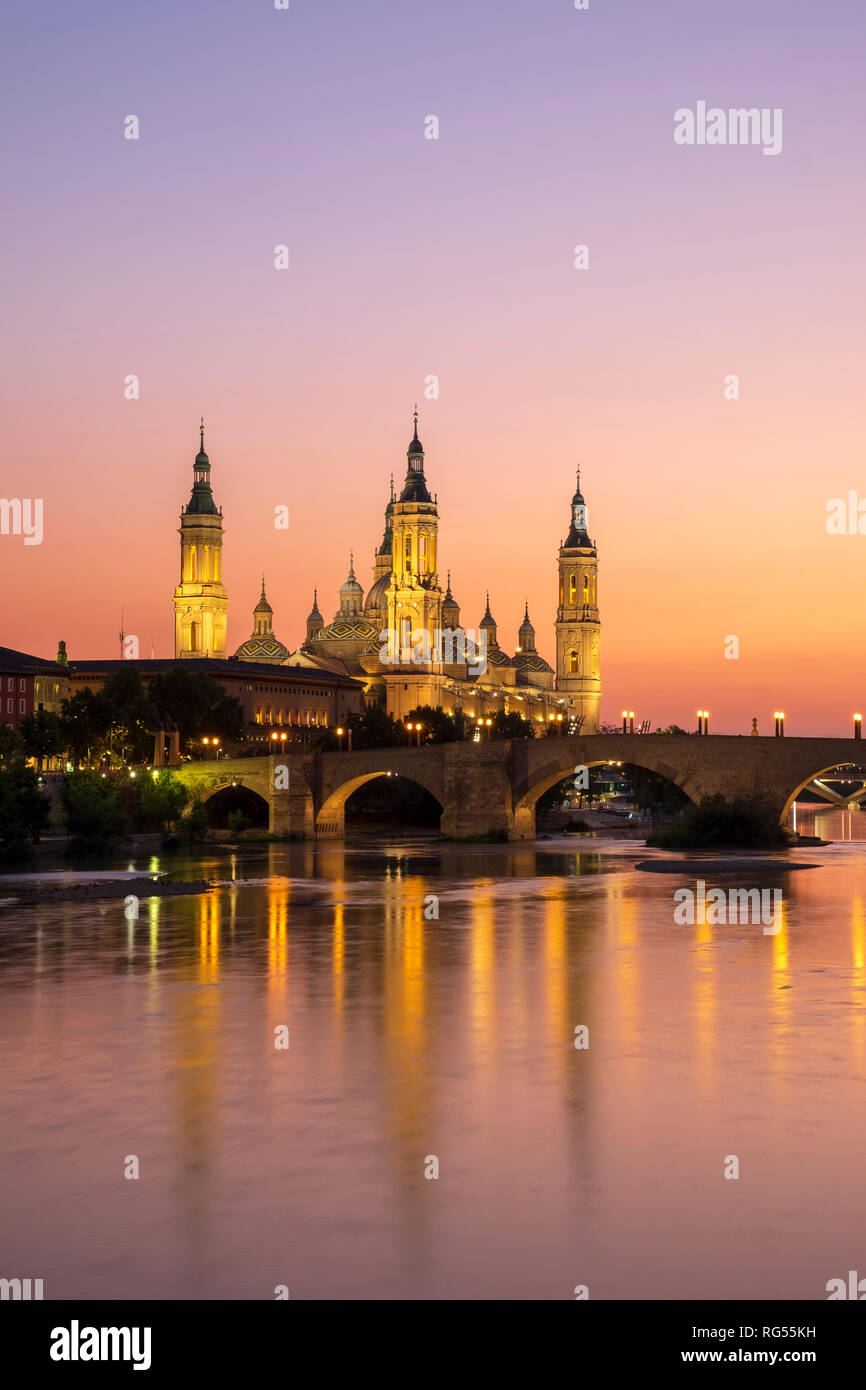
200, 600
414, 596
578, 625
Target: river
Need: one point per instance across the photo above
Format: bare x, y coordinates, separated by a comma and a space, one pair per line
416, 1041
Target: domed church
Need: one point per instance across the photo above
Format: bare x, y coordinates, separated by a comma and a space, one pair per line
405, 640
262, 645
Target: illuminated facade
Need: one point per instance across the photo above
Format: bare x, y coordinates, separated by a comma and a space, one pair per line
405, 641
578, 626
200, 599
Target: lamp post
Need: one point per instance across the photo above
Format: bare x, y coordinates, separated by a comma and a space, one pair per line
858, 725
703, 721
779, 717
339, 733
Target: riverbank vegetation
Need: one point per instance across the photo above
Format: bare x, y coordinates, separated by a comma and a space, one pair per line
716, 822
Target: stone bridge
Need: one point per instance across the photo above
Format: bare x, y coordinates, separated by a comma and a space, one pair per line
491, 788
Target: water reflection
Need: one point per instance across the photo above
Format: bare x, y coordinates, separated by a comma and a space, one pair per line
432, 995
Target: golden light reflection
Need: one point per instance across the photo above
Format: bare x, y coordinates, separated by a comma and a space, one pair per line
278, 938
622, 933
782, 997
705, 1018
481, 964
858, 958
556, 974
338, 958
208, 933
153, 907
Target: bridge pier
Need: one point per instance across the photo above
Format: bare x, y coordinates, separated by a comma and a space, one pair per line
291, 807
476, 793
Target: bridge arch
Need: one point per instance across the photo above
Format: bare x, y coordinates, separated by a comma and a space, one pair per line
529, 790
331, 815
821, 772
221, 800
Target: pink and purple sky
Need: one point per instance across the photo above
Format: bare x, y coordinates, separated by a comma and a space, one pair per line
452, 257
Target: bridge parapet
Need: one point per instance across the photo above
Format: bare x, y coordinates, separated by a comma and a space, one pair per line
491, 788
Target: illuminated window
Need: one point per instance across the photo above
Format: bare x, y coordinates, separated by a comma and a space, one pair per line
572, 662
572, 589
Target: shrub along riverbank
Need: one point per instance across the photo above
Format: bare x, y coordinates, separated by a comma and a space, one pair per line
718, 823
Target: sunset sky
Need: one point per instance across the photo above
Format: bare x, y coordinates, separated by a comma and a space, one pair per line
411, 257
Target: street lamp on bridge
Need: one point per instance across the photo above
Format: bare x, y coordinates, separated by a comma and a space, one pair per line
858, 726
703, 721
628, 721
780, 723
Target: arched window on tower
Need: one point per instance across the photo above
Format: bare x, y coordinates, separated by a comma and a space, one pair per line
193, 637
572, 589
192, 563
572, 663
586, 588
408, 552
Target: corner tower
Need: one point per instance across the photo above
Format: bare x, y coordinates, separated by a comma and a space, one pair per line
414, 597
200, 600
578, 625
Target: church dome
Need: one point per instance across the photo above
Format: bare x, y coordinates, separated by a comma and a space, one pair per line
351, 588
376, 600
262, 648
488, 620
263, 606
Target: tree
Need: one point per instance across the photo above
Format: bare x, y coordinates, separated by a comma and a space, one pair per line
718, 823
511, 726
162, 799
196, 705
437, 726
25, 810
95, 817
131, 715
238, 822
195, 823
11, 746
671, 729
86, 718
373, 729
44, 735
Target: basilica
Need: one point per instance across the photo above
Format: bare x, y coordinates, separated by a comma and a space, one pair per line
451, 668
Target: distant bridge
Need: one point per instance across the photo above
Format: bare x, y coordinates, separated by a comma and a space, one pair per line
491, 788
